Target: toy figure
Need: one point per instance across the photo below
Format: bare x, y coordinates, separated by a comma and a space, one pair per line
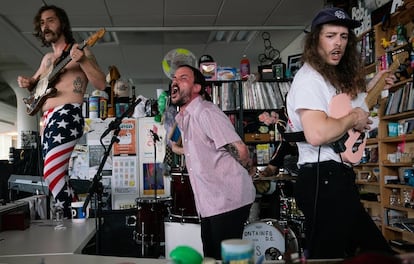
385, 43
401, 35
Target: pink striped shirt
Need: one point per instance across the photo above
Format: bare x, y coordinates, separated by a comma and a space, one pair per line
219, 182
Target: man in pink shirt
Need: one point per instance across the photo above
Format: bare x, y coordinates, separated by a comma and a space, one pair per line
217, 161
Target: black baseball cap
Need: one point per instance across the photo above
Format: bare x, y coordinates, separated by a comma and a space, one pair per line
334, 15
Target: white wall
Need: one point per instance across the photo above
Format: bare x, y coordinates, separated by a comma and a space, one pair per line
296, 47
6, 141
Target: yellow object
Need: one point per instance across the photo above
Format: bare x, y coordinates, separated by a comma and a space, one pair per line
385, 43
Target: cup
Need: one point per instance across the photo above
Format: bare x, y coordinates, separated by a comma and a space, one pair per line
77, 211
237, 250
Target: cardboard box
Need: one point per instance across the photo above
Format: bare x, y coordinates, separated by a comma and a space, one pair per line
256, 137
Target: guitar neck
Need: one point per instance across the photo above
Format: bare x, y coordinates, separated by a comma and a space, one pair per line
62, 64
375, 92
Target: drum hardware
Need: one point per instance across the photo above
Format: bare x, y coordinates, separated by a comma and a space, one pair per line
130, 220
289, 209
149, 227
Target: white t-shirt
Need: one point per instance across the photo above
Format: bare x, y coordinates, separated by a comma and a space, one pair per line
309, 90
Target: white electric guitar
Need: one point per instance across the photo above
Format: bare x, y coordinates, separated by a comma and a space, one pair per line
44, 87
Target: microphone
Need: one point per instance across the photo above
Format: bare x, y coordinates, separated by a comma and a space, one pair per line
154, 136
115, 123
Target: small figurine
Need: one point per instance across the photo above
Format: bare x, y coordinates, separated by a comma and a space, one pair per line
385, 43
401, 35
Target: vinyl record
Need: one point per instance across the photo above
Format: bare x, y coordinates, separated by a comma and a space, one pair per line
175, 58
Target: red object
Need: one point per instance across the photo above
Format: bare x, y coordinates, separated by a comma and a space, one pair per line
244, 68
18, 220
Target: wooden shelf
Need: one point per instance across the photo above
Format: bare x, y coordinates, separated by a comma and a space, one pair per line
386, 144
362, 182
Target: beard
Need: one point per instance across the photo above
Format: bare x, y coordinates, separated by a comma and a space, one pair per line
53, 36
179, 102
181, 96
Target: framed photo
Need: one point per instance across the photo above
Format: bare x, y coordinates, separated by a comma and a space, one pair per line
364, 175
294, 63
405, 173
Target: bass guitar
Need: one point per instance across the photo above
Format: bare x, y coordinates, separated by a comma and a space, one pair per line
44, 87
353, 142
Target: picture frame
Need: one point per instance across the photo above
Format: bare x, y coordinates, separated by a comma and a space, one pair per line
294, 63
364, 175
402, 172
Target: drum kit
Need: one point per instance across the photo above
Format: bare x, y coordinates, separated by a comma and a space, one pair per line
272, 237
282, 233
153, 212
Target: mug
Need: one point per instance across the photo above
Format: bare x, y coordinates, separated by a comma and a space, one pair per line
77, 210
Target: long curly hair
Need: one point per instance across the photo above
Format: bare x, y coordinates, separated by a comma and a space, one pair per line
348, 76
64, 23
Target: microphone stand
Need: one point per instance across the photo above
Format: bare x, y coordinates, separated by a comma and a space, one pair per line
155, 138
96, 184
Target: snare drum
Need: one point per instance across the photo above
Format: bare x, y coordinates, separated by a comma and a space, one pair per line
149, 228
271, 239
183, 204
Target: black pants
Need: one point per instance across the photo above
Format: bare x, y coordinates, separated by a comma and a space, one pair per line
217, 228
337, 225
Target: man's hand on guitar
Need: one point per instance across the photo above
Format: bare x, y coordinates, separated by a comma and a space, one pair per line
25, 82
361, 121
77, 54
389, 79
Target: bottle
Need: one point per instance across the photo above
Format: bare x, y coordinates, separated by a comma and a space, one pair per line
398, 154
394, 197
244, 68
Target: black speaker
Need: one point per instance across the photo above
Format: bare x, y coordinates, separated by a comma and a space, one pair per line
116, 234
5, 171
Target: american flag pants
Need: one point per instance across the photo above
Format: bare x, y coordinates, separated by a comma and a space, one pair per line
62, 129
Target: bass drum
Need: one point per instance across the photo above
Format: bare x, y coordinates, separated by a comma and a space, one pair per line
271, 239
183, 206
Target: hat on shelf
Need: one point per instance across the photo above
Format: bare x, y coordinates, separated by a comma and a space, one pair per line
334, 15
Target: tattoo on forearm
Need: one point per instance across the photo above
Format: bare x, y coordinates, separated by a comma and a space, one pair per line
91, 57
77, 85
234, 151
231, 148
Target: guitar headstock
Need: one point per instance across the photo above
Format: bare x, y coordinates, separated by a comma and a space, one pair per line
398, 59
372, 96
95, 37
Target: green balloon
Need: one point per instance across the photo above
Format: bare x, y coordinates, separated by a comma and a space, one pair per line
186, 255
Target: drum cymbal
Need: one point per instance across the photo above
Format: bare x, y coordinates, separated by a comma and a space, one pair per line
274, 178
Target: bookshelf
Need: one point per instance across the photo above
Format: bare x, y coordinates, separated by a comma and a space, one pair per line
395, 142
243, 102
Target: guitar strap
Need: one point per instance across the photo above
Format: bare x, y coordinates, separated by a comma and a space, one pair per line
65, 53
294, 136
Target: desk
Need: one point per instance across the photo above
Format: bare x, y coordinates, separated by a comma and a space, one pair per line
41, 238
77, 259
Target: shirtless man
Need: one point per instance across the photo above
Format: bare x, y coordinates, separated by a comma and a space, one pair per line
62, 115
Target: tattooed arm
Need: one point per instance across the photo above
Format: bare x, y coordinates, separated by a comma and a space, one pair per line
240, 152
89, 66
